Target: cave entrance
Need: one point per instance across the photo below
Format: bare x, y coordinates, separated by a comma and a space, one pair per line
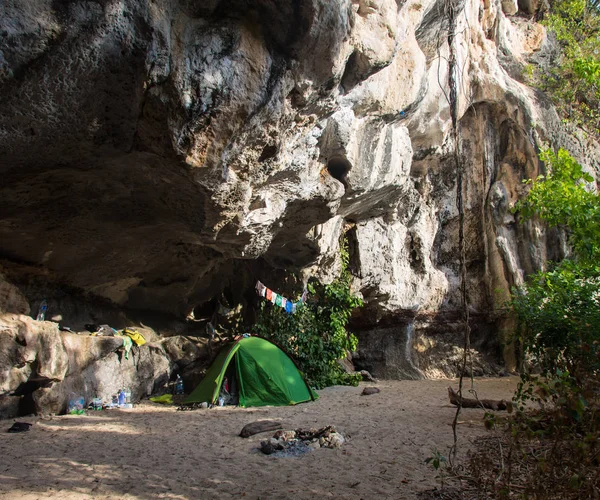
338, 167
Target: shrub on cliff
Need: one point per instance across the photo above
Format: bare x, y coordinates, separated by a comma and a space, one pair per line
574, 83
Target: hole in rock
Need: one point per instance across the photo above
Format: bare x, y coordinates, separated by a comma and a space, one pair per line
358, 68
297, 99
338, 167
268, 152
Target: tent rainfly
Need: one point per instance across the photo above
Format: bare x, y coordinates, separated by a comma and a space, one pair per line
264, 375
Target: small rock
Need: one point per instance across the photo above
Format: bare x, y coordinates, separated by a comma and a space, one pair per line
285, 435
370, 390
270, 447
313, 445
336, 440
267, 448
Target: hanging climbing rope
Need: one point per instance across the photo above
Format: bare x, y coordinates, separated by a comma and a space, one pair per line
452, 11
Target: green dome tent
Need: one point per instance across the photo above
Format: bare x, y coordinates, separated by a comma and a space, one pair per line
262, 373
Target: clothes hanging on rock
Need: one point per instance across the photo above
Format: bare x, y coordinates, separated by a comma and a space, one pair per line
136, 337
127, 345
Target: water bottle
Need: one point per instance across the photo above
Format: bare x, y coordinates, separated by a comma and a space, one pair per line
41, 315
178, 385
127, 392
121, 397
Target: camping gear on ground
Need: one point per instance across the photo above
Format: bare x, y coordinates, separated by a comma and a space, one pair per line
20, 427
165, 399
76, 404
41, 315
124, 399
137, 338
179, 385
259, 374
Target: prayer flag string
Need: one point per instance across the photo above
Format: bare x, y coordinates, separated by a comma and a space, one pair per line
278, 300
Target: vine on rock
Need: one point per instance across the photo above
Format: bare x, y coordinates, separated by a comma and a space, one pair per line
452, 12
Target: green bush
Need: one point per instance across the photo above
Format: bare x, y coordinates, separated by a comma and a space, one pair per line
574, 83
316, 335
563, 199
559, 309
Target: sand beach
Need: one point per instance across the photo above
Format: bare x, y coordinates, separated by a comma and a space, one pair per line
153, 451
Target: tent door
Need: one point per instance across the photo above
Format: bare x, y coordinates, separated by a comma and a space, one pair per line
230, 387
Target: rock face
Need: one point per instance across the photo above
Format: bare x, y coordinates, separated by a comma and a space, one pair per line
156, 155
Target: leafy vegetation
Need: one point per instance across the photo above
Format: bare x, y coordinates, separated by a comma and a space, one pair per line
562, 199
574, 83
549, 451
439, 463
559, 309
550, 446
316, 335
559, 312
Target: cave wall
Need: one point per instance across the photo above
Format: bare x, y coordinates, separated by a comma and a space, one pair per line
153, 153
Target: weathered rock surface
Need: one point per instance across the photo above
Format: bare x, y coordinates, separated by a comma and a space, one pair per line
42, 367
155, 155
11, 299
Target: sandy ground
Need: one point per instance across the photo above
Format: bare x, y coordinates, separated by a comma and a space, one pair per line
157, 452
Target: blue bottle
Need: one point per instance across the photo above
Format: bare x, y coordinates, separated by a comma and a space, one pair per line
179, 385
41, 315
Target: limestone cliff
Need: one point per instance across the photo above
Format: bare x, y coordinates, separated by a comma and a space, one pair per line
156, 153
